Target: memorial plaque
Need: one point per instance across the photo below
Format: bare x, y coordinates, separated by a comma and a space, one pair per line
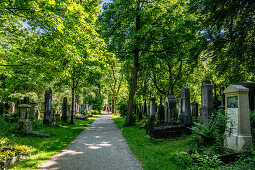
232, 102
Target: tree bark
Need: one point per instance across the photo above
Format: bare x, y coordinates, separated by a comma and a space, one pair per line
72, 110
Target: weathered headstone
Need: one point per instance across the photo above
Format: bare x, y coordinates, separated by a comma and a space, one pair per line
206, 101
24, 124
161, 112
169, 107
222, 106
152, 106
64, 110
251, 87
47, 109
237, 107
32, 109
194, 110
185, 114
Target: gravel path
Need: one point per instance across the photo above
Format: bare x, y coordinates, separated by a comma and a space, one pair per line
100, 146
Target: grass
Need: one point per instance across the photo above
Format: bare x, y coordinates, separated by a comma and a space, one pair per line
44, 148
153, 154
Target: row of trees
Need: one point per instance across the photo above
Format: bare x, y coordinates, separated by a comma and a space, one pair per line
132, 49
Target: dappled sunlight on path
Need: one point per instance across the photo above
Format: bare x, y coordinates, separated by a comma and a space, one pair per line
100, 146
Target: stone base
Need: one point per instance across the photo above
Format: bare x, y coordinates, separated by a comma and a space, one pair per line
24, 126
186, 120
204, 114
167, 131
238, 142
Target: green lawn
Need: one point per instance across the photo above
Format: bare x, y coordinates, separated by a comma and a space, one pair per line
153, 154
44, 148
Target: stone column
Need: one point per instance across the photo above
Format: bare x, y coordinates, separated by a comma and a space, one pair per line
237, 107
185, 113
64, 110
206, 101
47, 109
24, 125
152, 106
194, 110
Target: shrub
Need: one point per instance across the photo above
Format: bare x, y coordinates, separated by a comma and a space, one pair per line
122, 107
94, 112
7, 128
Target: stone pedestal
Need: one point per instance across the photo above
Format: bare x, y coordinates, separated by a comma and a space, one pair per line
185, 114
237, 107
206, 101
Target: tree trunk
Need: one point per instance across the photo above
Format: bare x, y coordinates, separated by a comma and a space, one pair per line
114, 104
135, 69
72, 101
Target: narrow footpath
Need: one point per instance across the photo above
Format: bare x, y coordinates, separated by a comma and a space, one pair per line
100, 146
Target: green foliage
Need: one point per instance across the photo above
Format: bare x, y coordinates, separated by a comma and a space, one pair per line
7, 128
211, 135
122, 107
252, 118
94, 112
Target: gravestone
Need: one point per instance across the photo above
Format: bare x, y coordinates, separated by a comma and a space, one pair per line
251, 87
47, 109
64, 110
237, 107
194, 110
215, 99
222, 106
206, 101
152, 106
161, 112
32, 109
169, 107
24, 125
185, 113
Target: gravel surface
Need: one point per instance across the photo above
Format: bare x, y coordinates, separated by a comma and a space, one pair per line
100, 146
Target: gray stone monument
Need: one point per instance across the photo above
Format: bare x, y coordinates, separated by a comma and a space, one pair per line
194, 110
169, 107
47, 109
161, 112
251, 87
64, 110
24, 124
206, 101
185, 113
237, 107
152, 106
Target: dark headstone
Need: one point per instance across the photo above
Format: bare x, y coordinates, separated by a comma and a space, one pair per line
251, 87
206, 101
47, 111
185, 114
161, 112
194, 110
170, 108
64, 110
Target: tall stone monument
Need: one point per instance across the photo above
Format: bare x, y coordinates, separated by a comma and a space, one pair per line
64, 110
24, 125
237, 107
47, 109
206, 101
185, 113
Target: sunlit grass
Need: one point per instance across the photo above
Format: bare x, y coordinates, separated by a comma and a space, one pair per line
44, 148
153, 154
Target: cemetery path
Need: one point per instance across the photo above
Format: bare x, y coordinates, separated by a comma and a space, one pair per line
100, 146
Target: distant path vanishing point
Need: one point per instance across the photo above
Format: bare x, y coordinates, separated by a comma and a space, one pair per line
100, 146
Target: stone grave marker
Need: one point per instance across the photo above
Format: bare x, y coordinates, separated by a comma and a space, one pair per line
161, 112
251, 87
185, 113
169, 107
237, 107
24, 124
206, 101
47, 109
194, 110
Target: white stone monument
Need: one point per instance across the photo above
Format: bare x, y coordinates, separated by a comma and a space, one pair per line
237, 107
